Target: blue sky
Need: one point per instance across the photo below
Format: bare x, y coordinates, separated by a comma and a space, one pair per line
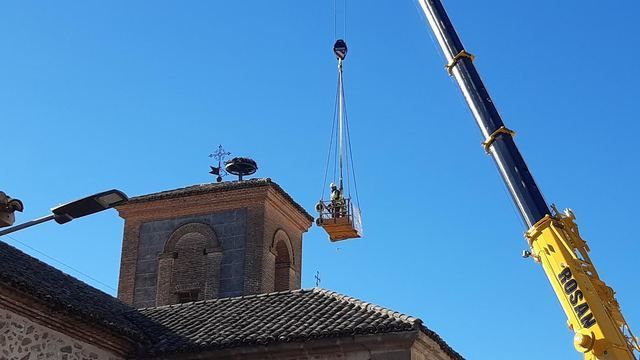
135, 95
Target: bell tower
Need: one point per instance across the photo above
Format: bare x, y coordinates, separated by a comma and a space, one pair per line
210, 241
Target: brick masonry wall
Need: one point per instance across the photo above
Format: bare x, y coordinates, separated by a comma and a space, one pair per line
362, 354
22, 339
244, 222
128, 260
253, 265
230, 230
277, 219
425, 348
391, 346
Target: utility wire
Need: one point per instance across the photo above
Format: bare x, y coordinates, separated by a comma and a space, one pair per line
61, 263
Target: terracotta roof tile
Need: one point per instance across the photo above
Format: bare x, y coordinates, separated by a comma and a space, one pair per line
288, 316
63, 292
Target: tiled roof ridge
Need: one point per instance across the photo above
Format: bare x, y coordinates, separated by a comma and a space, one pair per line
231, 298
325, 292
443, 344
195, 187
178, 329
204, 187
369, 306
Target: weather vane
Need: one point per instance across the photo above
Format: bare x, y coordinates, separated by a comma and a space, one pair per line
219, 155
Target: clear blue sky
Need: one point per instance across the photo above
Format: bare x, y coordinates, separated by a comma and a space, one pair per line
135, 95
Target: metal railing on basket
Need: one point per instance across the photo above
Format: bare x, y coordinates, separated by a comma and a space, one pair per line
332, 210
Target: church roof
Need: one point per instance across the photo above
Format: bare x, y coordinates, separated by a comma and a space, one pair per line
218, 187
63, 292
280, 317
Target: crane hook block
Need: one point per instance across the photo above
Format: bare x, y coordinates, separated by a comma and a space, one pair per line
340, 49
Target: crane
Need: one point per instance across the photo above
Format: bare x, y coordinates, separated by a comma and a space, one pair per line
593, 312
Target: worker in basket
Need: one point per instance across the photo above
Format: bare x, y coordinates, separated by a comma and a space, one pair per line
337, 206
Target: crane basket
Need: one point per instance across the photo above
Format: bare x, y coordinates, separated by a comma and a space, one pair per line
341, 220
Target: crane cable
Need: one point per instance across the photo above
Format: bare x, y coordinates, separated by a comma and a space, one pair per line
353, 169
336, 132
340, 126
341, 150
326, 170
335, 19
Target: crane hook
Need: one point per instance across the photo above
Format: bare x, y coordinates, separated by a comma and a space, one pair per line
340, 49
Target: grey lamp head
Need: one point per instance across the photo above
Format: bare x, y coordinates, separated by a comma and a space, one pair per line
88, 205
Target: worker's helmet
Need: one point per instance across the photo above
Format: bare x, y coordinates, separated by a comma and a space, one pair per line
333, 186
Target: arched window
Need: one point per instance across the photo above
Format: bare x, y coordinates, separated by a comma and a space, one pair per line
189, 266
189, 260
284, 270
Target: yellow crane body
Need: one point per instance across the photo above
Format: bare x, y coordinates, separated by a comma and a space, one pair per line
593, 313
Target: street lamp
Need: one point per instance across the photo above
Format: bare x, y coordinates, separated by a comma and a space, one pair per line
76, 209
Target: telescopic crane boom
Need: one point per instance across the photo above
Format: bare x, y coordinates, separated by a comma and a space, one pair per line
592, 310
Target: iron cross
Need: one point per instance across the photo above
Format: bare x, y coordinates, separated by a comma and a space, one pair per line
317, 278
219, 155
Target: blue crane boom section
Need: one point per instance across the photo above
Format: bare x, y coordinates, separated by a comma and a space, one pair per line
499, 140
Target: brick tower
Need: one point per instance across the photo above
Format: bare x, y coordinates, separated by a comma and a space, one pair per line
210, 241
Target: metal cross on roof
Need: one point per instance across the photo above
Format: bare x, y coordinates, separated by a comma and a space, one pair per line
317, 278
219, 155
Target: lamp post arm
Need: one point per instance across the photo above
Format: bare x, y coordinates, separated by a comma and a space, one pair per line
27, 224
